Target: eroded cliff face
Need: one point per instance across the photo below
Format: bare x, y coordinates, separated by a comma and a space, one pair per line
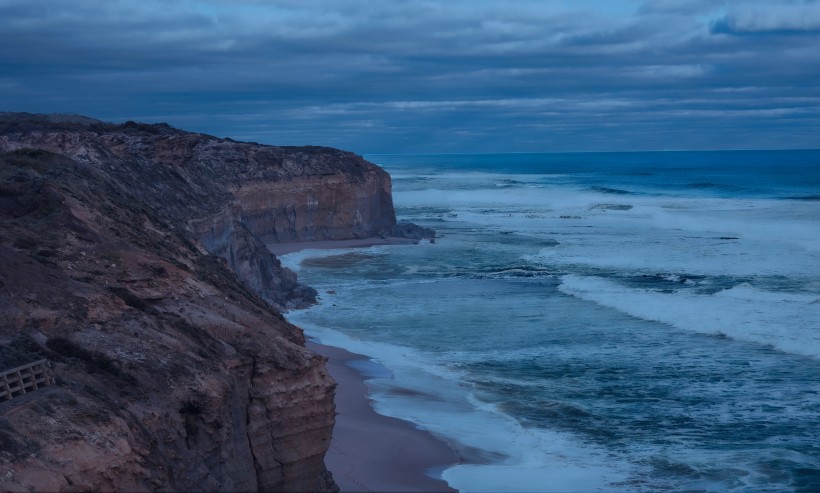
217, 187
130, 257
319, 207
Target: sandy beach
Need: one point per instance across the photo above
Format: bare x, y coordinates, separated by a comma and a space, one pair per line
371, 452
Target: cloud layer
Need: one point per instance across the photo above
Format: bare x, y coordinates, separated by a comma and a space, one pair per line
428, 75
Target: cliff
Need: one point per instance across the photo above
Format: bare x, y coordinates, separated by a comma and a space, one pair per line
132, 256
217, 188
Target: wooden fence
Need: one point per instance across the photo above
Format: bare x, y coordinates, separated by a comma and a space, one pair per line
24, 379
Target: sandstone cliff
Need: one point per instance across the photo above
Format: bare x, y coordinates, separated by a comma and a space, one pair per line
132, 257
218, 187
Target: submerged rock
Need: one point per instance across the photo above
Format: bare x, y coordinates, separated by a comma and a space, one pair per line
404, 229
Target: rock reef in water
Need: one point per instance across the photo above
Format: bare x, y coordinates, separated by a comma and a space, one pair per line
133, 257
405, 229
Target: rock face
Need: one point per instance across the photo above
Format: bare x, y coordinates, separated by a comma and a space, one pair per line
218, 187
322, 205
132, 257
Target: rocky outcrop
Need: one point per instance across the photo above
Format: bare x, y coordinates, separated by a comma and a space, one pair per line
405, 229
250, 259
130, 256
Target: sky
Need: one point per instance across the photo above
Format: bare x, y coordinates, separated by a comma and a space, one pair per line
421, 76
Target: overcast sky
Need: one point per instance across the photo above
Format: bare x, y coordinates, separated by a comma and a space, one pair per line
428, 76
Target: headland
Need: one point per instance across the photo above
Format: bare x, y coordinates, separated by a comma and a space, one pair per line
133, 258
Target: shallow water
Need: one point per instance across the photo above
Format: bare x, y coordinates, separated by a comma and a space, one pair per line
596, 322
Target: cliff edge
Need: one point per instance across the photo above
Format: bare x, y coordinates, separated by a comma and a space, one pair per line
232, 196
133, 258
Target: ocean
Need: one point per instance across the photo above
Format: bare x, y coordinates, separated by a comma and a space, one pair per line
635, 322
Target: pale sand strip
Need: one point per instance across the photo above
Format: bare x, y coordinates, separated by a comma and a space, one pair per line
295, 246
371, 452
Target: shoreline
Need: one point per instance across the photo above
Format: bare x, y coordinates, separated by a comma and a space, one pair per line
285, 248
372, 452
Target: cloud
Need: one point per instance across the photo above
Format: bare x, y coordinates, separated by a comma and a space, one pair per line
425, 74
778, 18
670, 71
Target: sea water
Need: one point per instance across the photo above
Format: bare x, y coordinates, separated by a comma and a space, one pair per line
595, 322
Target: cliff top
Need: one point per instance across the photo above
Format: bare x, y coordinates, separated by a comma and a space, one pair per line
21, 122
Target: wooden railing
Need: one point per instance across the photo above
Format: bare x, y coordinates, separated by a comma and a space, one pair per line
24, 379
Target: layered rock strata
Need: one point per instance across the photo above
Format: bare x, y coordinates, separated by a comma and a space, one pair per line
216, 187
132, 256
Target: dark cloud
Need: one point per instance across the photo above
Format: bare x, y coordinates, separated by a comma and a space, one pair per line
411, 75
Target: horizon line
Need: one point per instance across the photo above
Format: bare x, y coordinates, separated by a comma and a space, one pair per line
583, 152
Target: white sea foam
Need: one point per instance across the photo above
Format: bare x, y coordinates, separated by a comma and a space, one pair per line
766, 231
525, 459
548, 197
652, 237
787, 321
676, 236
684, 255
773, 243
474, 179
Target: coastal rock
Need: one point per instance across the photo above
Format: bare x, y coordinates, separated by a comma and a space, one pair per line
131, 258
217, 187
250, 259
404, 229
328, 204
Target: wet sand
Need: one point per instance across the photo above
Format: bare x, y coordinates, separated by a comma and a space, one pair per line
371, 452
